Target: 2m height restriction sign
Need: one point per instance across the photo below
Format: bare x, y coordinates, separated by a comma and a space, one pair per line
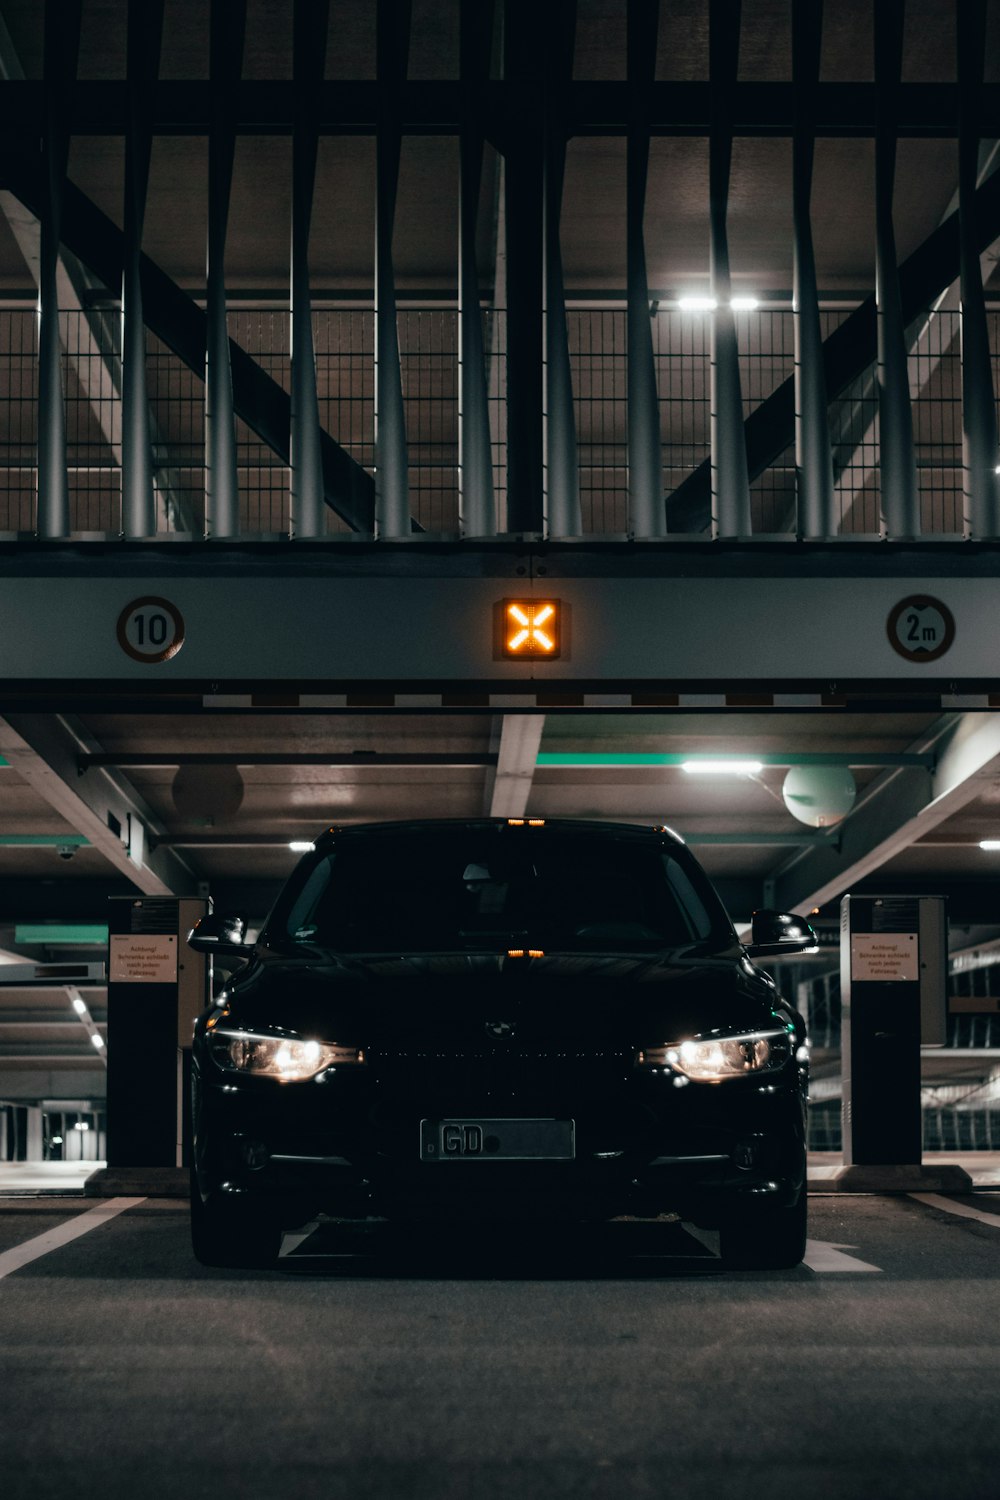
920, 628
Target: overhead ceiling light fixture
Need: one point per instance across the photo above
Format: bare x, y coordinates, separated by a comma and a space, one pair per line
722, 767
989, 843
301, 846
744, 304
697, 304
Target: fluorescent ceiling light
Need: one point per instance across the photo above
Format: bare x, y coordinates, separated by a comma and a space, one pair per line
722, 767
98, 1041
744, 304
989, 843
79, 1005
697, 304
301, 846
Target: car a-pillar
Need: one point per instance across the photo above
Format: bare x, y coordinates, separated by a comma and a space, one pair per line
157, 985
893, 985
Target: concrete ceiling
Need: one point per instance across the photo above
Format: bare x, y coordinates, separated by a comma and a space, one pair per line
593, 229
292, 782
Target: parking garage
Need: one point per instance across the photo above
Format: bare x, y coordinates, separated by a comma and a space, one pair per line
437, 411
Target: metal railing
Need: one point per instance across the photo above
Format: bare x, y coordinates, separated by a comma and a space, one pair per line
428, 337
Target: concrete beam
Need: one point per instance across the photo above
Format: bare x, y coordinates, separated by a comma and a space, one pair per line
520, 737
897, 810
103, 806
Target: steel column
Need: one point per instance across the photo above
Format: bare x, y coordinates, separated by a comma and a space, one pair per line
222, 495
980, 455
392, 485
308, 508
524, 190
62, 44
647, 512
898, 469
145, 29
562, 470
730, 479
477, 503
813, 457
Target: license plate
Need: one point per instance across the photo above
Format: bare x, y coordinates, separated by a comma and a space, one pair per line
497, 1140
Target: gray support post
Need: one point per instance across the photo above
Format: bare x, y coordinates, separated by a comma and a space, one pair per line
730, 478
392, 486
145, 29
647, 511
222, 496
898, 469
477, 502
813, 455
308, 507
524, 190
562, 470
980, 455
62, 43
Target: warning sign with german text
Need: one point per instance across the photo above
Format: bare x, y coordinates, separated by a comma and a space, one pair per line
887, 956
138, 959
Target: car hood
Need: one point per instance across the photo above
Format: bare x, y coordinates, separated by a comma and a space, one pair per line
634, 998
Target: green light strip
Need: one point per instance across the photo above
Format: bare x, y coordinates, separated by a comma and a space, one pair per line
42, 840
626, 759
60, 932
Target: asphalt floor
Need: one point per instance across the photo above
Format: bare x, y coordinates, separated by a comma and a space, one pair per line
610, 1362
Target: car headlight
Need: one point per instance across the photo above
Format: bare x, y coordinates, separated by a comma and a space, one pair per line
710, 1059
290, 1059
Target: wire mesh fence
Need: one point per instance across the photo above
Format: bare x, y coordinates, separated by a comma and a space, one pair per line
344, 340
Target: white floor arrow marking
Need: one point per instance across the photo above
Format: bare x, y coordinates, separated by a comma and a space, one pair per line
820, 1256
961, 1209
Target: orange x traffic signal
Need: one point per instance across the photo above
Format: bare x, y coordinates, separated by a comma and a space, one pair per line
531, 627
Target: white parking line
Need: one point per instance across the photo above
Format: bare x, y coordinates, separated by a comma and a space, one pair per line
961, 1209
824, 1257
41, 1244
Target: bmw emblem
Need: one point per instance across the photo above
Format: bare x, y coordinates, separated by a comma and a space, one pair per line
500, 1028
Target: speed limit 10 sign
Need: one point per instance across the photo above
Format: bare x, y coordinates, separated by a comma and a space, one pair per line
151, 630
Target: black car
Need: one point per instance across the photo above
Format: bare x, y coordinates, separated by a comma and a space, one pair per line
500, 1019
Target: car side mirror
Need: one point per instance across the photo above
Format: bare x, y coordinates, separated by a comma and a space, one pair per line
219, 934
779, 932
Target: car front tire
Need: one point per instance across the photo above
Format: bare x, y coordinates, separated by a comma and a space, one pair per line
762, 1236
231, 1232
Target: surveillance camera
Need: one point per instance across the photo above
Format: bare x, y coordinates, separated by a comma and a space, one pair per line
65, 851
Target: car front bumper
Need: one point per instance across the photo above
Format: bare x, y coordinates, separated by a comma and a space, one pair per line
349, 1146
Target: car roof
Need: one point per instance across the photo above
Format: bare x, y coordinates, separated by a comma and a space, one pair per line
568, 825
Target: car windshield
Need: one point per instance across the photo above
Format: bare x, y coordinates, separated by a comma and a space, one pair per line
433, 890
